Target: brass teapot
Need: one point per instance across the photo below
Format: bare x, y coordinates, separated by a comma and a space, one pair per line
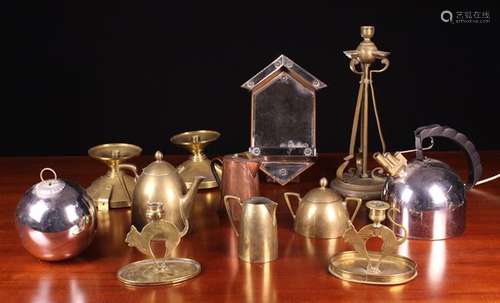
322, 213
160, 182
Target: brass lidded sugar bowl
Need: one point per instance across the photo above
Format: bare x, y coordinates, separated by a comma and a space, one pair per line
322, 213
160, 182
56, 219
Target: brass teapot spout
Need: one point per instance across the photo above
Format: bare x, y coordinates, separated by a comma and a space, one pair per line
189, 197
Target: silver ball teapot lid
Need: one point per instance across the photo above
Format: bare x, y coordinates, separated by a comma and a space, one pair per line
48, 188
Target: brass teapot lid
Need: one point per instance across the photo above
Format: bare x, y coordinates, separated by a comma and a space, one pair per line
159, 167
322, 194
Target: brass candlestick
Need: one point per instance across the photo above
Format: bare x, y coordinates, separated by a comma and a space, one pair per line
198, 164
371, 267
114, 189
158, 271
359, 181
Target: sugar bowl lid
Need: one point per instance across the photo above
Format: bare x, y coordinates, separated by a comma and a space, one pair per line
159, 167
322, 194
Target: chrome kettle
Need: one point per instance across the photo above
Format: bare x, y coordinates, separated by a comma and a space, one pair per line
429, 195
322, 213
160, 182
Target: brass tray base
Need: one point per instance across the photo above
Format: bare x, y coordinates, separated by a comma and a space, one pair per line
355, 186
351, 266
148, 273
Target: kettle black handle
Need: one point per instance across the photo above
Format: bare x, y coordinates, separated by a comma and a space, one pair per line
436, 130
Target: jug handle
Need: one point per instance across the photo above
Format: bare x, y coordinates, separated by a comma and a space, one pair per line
130, 167
213, 164
391, 218
227, 199
436, 130
358, 206
289, 204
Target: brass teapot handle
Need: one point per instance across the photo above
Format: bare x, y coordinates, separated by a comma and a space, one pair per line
289, 204
358, 205
227, 202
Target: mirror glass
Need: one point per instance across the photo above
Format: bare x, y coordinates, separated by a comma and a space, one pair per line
283, 113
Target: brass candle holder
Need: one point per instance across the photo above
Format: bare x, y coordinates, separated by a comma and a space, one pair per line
372, 267
198, 164
359, 181
158, 271
115, 188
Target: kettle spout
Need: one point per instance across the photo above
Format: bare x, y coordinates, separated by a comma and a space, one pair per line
189, 197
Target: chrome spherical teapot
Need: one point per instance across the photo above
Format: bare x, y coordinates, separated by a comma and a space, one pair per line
430, 196
56, 219
322, 213
160, 182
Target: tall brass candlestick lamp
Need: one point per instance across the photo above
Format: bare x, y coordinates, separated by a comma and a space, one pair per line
359, 181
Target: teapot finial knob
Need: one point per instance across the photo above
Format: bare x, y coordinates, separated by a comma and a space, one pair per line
323, 182
158, 155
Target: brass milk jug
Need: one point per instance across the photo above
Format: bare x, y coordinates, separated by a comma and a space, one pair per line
258, 231
322, 213
160, 182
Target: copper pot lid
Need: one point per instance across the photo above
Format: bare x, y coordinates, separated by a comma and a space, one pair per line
322, 194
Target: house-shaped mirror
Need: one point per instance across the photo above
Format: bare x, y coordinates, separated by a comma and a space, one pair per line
283, 123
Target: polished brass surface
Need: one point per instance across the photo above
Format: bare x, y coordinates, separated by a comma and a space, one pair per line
198, 164
114, 189
258, 229
322, 213
358, 181
283, 119
393, 164
364, 266
351, 266
140, 273
157, 271
160, 182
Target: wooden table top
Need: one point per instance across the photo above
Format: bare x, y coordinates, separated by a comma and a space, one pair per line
465, 268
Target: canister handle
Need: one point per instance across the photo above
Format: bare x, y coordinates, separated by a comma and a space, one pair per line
213, 164
438, 131
289, 204
358, 205
50, 170
227, 199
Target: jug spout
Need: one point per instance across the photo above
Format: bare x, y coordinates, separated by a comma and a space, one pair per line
188, 199
271, 208
253, 167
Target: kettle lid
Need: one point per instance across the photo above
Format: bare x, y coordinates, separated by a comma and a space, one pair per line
322, 194
159, 167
